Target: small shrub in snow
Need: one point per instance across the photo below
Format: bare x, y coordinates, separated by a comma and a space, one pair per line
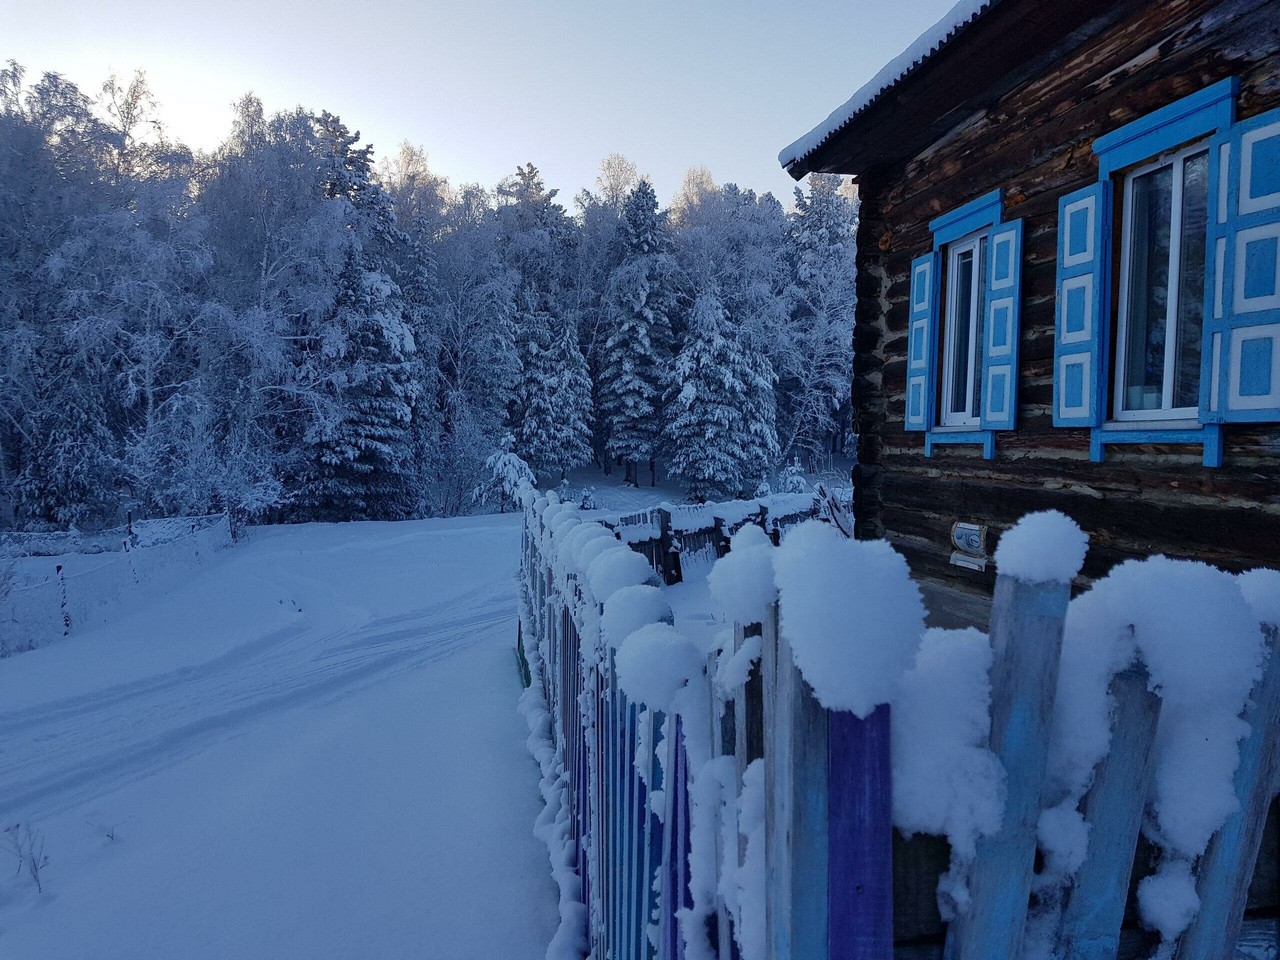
508, 478
1044, 547
27, 846
852, 615
655, 663
741, 582
793, 479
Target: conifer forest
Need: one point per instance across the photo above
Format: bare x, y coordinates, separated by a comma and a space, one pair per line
294, 327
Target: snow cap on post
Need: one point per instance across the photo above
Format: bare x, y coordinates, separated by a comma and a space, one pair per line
655, 663
1043, 547
631, 608
741, 581
1261, 589
851, 613
616, 568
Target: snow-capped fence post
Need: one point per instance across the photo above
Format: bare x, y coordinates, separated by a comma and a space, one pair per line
1037, 560
796, 814
1227, 868
668, 553
1113, 808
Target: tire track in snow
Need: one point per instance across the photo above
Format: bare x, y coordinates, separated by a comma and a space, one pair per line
68, 752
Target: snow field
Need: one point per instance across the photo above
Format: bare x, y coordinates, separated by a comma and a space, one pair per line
307, 750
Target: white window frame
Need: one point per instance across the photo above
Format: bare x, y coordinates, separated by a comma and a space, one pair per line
970, 244
1119, 414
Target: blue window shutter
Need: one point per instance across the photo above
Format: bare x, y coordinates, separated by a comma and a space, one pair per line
1001, 326
922, 342
1080, 324
1240, 379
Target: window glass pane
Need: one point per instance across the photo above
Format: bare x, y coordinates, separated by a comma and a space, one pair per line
960, 336
1152, 202
1195, 212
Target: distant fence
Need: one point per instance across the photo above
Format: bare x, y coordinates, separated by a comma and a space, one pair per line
834, 880
55, 584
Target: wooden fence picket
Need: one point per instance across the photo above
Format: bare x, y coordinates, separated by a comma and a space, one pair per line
1026, 634
1090, 928
860, 836
796, 819
830, 850
1226, 869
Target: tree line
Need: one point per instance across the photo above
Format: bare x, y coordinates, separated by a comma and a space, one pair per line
286, 329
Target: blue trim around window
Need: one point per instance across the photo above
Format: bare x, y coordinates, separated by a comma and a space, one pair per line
987, 438
985, 211
1208, 436
1202, 113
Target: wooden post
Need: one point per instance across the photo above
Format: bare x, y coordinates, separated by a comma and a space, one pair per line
1226, 870
795, 806
669, 557
1090, 928
1026, 632
860, 836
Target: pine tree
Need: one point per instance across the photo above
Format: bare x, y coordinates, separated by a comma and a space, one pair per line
363, 454
641, 298
570, 389
365, 458
722, 430
814, 358
554, 399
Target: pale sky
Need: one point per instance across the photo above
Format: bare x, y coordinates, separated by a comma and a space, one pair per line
484, 85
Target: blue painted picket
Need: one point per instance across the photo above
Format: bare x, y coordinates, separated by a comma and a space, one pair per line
830, 849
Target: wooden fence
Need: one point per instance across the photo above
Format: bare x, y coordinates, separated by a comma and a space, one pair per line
840, 883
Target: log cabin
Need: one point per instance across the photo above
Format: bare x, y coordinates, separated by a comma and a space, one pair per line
1068, 282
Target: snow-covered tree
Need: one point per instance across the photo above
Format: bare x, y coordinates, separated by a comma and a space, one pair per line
722, 431
814, 357
640, 300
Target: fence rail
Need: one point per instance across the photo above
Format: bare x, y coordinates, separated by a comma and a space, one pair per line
653, 799
46, 595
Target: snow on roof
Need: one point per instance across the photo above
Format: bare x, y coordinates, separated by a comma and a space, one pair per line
927, 44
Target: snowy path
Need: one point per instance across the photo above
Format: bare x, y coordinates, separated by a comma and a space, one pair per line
311, 750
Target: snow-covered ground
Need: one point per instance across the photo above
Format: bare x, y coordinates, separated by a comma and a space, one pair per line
309, 750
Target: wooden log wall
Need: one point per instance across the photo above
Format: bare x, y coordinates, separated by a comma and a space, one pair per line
1032, 135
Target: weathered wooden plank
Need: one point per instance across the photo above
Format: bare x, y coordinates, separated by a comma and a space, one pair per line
777, 778
1226, 870
1090, 928
1026, 633
796, 816
860, 836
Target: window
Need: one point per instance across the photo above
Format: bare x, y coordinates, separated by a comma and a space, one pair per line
963, 328
1179, 331
962, 332
1161, 305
